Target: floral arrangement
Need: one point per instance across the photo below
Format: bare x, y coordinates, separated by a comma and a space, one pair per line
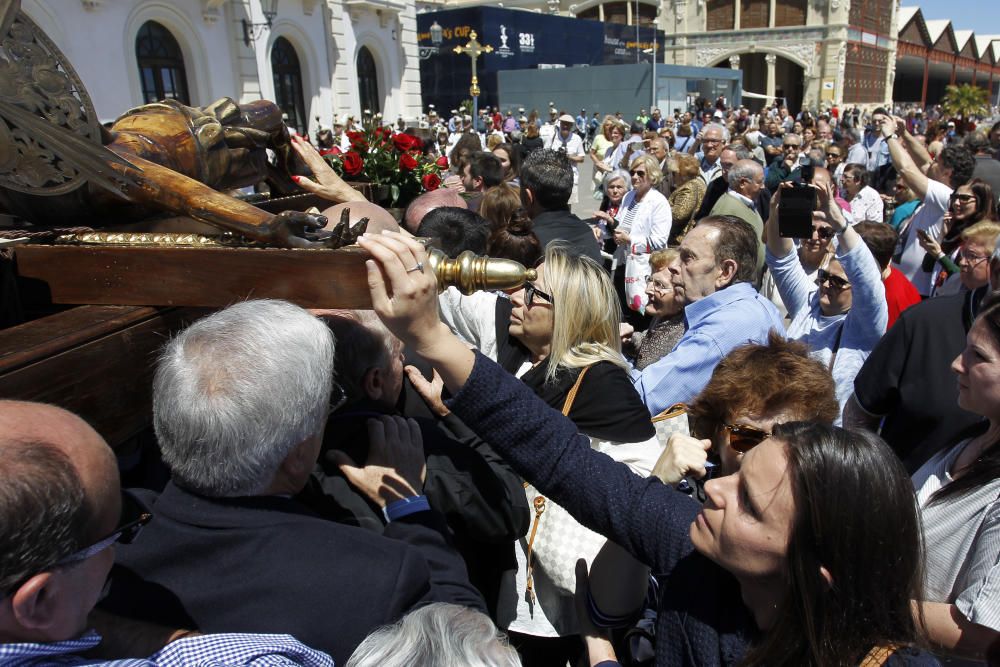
394, 164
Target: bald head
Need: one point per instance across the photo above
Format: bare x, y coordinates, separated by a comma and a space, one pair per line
821, 177
21, 422
427, 202
60, 494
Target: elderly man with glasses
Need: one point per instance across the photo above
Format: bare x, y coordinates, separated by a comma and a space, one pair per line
786, 168
62, 512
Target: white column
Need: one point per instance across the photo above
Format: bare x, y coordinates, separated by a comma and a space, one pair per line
736, 14
770, 59
770, 15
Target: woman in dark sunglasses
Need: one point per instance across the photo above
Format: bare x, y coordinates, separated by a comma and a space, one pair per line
752, 390
809, 555
843, 314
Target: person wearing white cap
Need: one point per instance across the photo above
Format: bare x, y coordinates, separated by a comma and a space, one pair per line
565, 140
339, 137
548, 129
456, 117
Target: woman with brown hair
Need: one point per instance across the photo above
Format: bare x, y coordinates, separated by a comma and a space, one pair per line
685, 200
499, 206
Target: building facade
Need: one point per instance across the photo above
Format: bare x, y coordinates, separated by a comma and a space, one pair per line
315, 58
810, 53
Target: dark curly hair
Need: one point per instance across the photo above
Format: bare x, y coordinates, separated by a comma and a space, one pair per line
961, 162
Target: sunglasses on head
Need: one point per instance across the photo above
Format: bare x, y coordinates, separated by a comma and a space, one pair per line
530, 292
836, 282
744, 438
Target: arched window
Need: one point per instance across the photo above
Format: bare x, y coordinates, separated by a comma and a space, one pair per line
288, 84
161, 65
368, 82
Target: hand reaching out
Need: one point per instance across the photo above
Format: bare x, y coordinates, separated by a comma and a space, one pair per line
429, 391
328, 184
396, 467
683, 456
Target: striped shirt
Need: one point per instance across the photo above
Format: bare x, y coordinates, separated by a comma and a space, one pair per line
230, 650
962, 538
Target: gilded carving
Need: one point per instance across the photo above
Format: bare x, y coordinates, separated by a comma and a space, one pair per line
35, 78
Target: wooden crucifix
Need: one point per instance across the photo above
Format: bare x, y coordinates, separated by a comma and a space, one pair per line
474, 49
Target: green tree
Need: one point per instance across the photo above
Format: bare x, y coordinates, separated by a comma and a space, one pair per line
965, 102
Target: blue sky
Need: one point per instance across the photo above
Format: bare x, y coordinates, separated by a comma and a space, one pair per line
964, 14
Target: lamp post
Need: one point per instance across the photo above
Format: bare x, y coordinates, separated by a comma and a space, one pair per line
436, 32
251, 30
473, 49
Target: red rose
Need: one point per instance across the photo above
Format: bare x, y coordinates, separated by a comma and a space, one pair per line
329, 151
442, 162
431, 182
404, 142
352, 163
357, 140
407, 162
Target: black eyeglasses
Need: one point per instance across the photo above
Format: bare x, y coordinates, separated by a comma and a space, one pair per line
134, 516
744, 438
530, 292
836, 282
791, 145
833, 154
964, 198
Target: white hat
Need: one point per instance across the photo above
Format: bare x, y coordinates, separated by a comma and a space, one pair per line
566, 118
340, 120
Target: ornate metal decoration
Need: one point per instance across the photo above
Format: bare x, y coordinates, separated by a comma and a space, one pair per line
36, 77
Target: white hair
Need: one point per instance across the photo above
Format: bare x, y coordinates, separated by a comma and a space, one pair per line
717, 126
438, 635
743, 169
614, 174
237, 391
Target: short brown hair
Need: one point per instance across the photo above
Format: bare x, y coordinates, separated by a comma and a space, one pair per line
881, 239
760, 379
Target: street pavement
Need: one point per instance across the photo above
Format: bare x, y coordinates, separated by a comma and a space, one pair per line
587, 205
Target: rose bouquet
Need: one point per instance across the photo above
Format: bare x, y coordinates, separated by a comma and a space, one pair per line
394, 164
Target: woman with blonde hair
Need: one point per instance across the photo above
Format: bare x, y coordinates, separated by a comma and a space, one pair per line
644, 222
559, 335
598, 151
686, 198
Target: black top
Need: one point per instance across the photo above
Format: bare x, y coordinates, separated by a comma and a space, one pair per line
267, 564
702, 619
563, 225
908, 378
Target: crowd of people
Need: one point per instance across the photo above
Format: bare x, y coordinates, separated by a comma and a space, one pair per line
692, 438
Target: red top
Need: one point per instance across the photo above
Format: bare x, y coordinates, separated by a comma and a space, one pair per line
900, 294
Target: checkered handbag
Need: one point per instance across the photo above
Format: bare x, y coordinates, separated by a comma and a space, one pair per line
557, 540
672, 420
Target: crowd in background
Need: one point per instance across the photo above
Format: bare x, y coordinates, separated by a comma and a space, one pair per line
696, 436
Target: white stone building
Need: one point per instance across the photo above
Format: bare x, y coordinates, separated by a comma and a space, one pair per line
316, 58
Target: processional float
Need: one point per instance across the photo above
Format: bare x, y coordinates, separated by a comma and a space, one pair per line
144, 215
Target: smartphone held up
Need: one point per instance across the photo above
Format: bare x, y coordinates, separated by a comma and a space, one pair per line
795, 209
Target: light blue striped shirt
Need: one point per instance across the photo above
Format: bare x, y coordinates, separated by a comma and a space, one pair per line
716, 325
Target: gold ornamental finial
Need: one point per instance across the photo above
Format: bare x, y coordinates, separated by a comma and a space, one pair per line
472, 273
